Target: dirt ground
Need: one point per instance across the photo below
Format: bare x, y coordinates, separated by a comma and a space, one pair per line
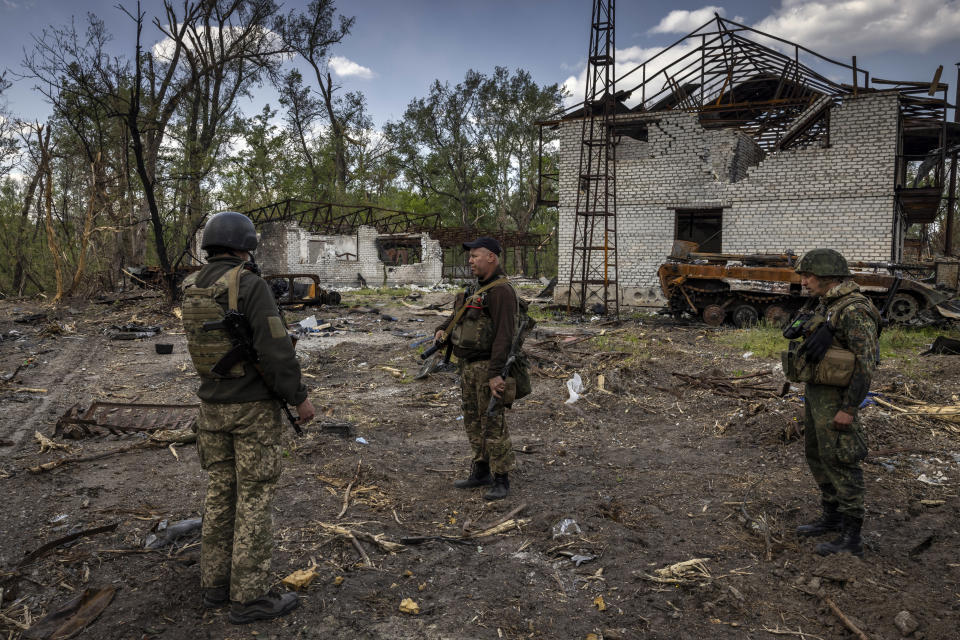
654, 468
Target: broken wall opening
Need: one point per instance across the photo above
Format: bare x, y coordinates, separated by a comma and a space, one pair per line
394, 252
701, 226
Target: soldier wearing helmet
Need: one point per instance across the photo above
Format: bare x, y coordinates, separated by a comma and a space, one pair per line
836, 359
240, 425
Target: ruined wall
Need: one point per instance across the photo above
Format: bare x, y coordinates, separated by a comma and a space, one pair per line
285, 248
799, 199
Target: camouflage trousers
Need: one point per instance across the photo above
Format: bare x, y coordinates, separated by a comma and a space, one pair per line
489, 438
239, 446
834, 456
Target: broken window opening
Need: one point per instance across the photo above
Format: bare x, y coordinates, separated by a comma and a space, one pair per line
702, 226
342, 248
394, 252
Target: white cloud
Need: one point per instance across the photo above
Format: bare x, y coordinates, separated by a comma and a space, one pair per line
163, 50
850, 27
627, 60
682, 21
837, 28
345, 67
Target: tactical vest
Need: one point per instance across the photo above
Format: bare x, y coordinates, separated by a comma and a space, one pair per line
472, 328
836, 367
199, 306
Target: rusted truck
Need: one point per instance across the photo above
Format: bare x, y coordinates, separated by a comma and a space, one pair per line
742, 289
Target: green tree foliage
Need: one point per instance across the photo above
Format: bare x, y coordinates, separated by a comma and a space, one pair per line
472, 149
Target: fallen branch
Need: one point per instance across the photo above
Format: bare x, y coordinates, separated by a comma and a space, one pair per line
500, 528
383, 544
466, 527
786, 632
844, 619
53, 544
47, 466
360, 549
346, 494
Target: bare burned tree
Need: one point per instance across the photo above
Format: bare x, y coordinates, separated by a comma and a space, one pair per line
177, 96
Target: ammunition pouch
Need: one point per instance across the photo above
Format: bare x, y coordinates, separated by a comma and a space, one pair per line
835, 369
475, 331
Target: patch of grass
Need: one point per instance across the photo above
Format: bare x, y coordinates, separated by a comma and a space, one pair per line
390, 292
765, 341
540, 314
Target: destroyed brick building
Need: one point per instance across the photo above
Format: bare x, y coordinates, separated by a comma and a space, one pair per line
364, 245
743, 143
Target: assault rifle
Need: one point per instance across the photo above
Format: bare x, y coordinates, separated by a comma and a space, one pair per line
241, 337
505, 372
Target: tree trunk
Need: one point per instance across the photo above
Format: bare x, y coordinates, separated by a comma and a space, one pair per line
48, 202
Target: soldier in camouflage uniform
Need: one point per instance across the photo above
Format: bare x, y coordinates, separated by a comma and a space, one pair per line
240, 424
843, 322
481, 341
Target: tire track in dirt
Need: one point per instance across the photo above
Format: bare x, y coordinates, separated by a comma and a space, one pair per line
58, 372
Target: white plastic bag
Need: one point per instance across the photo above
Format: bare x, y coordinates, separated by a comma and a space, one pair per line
575, 387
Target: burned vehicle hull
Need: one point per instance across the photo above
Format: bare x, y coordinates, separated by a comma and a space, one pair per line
292, 289
742, 289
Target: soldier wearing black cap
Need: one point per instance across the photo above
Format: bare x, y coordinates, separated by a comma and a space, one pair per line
481, 336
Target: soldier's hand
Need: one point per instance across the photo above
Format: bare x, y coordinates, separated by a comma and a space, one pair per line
305, 412
842, 421
438, 336
497, 386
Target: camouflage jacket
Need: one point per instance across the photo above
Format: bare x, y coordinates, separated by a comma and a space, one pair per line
856, 330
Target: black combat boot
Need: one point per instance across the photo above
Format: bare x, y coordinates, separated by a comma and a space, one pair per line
479, 476
500, 488
214, 597
849, 539
267, 607
829, 521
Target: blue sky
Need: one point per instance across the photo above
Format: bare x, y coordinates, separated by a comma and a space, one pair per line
398, 47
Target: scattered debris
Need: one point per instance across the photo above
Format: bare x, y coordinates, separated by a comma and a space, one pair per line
53, 544
547, 291
166, 533
46, 444
681, 572
743, 386
575, 387
74, 617
906, 623
119, 417
943, 346
337, 427
566, 527
301, 578
132, 331
407, 605
844, 619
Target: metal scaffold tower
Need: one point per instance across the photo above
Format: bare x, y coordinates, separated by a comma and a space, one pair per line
593, 262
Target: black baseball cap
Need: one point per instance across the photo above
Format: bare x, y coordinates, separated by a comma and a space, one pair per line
485, 242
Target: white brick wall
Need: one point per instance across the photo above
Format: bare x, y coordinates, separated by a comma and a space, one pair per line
839, 197
285, 248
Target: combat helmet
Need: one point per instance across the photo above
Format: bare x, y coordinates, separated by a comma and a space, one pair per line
231, 230
823, 263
